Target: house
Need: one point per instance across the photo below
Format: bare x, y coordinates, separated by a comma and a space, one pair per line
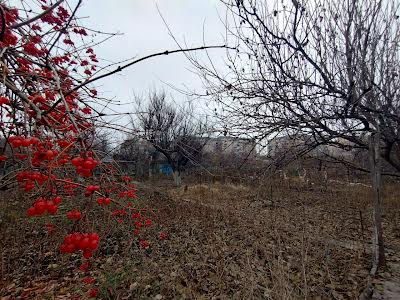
287, 145
229, 146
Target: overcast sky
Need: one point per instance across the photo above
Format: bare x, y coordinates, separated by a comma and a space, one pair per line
144, 33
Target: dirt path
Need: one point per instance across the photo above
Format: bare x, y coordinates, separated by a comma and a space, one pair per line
387, 285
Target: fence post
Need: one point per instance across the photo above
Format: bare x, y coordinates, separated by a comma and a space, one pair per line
378, 251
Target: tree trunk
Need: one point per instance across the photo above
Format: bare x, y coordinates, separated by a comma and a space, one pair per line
177, 178
378, 251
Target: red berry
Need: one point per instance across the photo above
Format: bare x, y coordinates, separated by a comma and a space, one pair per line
93, 293
94, 236
136, 216
34, 141
40, 206
144, 244
25, 142
76, 237
84, 243
16, 143
57, 200
74, 215
70, 248
52, 209
84, 267
88, 164
31, 212
87, 254
77, 161
68, 239
93, 244
50, 154
89, 280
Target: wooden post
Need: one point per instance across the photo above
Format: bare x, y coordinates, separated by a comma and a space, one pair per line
378, 251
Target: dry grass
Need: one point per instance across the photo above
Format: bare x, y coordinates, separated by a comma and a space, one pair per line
262, 241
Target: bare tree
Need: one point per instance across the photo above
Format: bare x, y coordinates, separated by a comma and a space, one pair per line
173, 131
322, 68
101, 142
135, 155
325, 69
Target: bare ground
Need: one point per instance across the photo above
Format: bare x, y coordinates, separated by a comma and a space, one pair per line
226, 241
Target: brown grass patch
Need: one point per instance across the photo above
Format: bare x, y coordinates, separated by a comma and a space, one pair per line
226, 241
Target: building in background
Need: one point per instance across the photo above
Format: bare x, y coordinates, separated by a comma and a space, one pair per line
230, 146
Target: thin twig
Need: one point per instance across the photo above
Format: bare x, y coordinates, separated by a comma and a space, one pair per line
16, 26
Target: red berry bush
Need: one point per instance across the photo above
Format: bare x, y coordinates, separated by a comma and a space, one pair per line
48, 123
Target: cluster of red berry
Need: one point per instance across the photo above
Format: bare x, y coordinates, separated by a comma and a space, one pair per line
128, 194
104, 201
140, 223
43, 151
28, 178
40, 178
86, 242
20, 141
42, 154
91, 189
136, 215
41, 206
119, 212
126, 178
84, 166
74, 214
88, 280
144, 244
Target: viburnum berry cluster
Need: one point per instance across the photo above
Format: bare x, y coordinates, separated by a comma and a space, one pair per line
85, 242
91, 189
41, 206
84, 166
30, 179
47, 123
74, 214
20, 141
104, 201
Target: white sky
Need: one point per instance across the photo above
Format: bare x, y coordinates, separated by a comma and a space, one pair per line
144, 33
